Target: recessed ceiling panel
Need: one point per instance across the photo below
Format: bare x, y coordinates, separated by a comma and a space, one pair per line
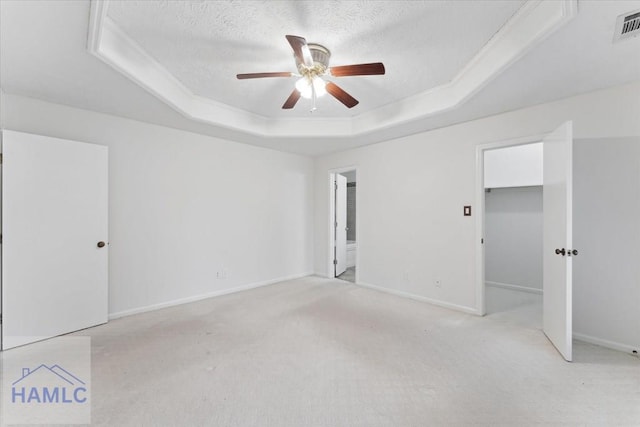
423, 44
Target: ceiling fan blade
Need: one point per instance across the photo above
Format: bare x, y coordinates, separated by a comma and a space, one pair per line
358, 70
261, 75
291, 101
341, 95
301, 50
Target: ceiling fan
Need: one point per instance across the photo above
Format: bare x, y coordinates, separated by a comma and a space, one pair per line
312, 61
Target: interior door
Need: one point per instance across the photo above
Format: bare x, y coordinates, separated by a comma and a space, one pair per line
557, 239
341, 224
54, 214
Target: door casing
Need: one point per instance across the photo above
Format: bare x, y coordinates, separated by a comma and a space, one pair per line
479, 220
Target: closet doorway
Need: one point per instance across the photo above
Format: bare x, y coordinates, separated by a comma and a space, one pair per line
521, 163
513, 234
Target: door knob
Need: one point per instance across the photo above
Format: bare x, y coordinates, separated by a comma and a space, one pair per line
573, 252
101, 244
560, 251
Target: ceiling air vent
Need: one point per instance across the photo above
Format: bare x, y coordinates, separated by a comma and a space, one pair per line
627, 26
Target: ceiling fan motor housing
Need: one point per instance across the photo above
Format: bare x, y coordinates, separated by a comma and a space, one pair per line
320, 55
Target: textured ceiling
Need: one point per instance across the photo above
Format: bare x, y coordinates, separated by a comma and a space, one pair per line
43, 55
204, 44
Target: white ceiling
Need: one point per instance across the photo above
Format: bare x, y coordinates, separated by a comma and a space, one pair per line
43, 54
205, 44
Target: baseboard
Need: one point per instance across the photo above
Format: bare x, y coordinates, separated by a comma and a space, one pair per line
322, 274
513, 287
200, 297
606, 343
421, 298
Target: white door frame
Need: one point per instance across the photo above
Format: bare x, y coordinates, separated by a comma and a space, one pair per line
331, 219
480, 267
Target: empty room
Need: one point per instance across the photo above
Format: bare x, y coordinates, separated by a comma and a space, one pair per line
320, 213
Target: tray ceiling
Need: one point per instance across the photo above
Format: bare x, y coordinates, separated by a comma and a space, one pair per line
205, 44
75, 53
183, 53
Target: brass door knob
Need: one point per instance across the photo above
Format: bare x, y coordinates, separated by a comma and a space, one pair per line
101, 244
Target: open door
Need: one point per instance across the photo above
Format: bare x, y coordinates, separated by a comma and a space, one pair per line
341, 225
54, 229
557, 239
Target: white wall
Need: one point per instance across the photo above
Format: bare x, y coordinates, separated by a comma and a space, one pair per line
185, 206
180, 210
607, 234
517, 166
411, 193
513, 236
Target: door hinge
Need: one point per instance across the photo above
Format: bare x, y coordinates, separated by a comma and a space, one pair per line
0, 158
335, 184
482, 241
335, 262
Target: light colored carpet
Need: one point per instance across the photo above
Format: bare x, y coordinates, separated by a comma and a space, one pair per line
349, 275
320, 352
521, 308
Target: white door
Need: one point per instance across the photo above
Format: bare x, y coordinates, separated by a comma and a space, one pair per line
54, 214
557, 239
341, 225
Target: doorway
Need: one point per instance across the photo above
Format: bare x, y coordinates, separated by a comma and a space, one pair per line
343, 223
513, 223
557, 229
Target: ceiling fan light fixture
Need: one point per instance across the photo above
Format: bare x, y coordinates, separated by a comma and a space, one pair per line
304, 86
312, 61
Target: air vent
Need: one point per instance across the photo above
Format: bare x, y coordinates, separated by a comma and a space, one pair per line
627, 26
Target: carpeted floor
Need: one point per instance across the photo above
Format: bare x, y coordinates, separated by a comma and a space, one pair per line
520, 308
349, 275
320, 352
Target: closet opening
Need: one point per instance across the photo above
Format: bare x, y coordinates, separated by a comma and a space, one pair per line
513, 234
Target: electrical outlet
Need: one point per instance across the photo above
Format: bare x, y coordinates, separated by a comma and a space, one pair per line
438, 283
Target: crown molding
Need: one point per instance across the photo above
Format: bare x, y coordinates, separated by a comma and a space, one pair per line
534, 21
